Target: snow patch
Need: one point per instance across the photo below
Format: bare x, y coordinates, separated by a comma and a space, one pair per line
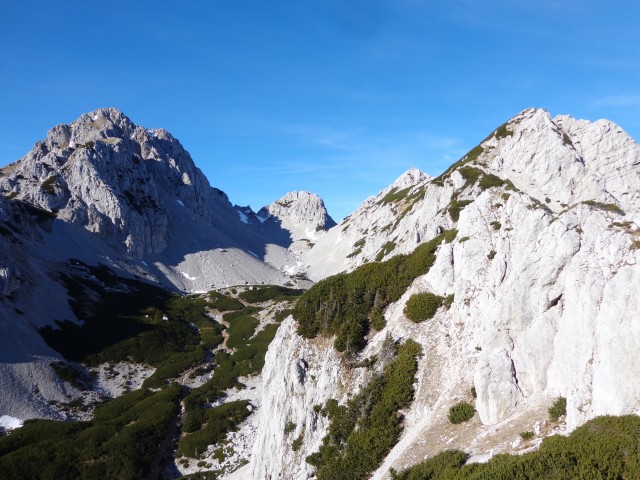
186, 275
243, 217
10, 423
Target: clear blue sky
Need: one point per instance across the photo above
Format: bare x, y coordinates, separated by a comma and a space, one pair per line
336, 97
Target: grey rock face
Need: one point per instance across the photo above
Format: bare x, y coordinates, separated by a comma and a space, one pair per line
302, 213
542, 273
112, 178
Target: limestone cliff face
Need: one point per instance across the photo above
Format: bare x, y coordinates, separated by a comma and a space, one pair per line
113, 178
543, 271
302, 213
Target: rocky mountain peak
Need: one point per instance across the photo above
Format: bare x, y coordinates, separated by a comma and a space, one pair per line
302, 213
564, 159
409, 178
106, 174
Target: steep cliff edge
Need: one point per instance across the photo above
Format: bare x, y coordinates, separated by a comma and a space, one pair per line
541, 277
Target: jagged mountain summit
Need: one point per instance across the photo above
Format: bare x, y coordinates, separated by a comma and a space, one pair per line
499, 288
139, 191
302, 213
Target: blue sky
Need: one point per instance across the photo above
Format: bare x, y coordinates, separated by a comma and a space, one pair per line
336, 97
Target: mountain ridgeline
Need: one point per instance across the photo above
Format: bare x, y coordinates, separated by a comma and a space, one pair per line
489, 310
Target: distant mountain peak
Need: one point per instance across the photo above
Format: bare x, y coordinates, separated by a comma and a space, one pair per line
302, 213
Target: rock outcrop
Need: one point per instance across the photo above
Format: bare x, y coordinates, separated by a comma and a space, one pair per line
302, 213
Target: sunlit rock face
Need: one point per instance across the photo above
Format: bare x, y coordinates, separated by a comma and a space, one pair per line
543, 271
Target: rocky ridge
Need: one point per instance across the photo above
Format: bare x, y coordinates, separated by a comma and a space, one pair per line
541, 272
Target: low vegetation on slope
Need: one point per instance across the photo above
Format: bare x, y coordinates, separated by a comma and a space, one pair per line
364, 430
603, 448
129, 320
120, 442
343, 304
126, 319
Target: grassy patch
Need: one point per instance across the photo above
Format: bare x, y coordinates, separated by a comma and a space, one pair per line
119, 443
394, 195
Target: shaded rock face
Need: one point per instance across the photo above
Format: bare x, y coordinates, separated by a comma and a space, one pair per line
543, 272
302, 213
113, 178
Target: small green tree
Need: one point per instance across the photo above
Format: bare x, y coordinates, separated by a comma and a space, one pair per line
377, 320
558, 409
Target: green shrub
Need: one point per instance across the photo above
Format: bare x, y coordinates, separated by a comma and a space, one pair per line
470, 175
71, 375
224, 303
394, 195
120, 442
49, 185
461, 412
123, 319
603, 448
219, 421
441, 466
247, 360
503, 131
240, 330
297, 443
362, 432
422, 306
489, 180
528, 435
259, 294
174, 366
280, 315
386, 249
607, 207
456, 206
289, 427
558, 409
